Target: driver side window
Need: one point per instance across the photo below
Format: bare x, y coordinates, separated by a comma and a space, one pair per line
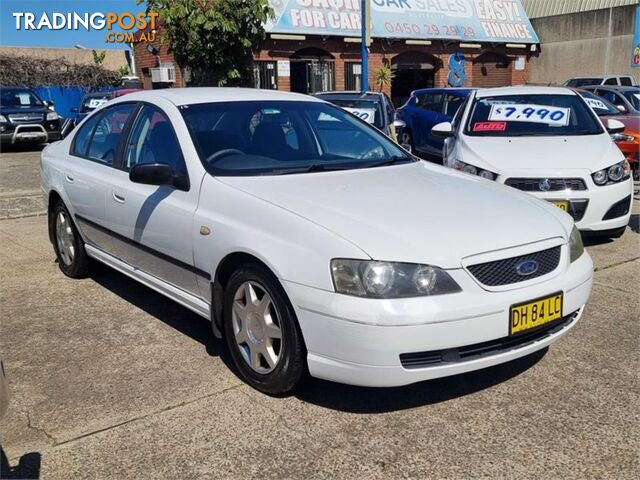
153, 140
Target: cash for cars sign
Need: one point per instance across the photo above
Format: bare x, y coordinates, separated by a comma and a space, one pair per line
470, 20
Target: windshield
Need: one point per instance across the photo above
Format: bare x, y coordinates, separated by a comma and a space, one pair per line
599, 104
90, 103
581, 82
531, 115
19, 98
271, 138
633, 96
368, 110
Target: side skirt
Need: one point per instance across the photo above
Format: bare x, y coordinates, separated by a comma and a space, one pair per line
178, 295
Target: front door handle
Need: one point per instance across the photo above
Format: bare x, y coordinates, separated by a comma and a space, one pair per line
118, 198
69, 179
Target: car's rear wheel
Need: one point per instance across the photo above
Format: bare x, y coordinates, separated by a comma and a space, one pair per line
262, 331
67, 243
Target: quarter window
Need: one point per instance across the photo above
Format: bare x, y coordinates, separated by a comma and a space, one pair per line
106, 136
153, 140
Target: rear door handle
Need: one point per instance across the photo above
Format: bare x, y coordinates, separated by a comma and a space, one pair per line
118, 198
69, 179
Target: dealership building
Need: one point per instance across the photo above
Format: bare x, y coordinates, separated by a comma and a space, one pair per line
314, 45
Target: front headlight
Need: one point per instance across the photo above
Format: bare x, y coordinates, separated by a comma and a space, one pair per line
52, 116
470, 169
615, 173
621, 137
374, 279
576, 248
3, 119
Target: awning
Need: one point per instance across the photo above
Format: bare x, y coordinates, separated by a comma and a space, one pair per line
497, 21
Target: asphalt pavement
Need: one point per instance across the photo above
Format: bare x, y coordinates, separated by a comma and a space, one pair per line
109, 379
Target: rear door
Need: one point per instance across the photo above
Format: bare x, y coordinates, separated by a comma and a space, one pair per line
90, 165
153, 225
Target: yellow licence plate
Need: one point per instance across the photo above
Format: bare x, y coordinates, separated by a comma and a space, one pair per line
564, 206
535, 313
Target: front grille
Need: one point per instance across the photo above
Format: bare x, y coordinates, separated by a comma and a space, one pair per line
26, 117
541, 184
504, 272
484, 349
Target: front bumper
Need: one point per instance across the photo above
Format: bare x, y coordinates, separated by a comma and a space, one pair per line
589, 207
359, 341
30, 133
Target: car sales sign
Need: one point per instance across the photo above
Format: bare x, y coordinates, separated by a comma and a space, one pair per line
529, 112
475, 20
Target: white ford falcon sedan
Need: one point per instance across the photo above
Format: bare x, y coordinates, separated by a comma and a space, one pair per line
548, 142
310, 240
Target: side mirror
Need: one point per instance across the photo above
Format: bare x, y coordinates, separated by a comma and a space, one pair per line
443, 130
49, 104
622, 108
151, 174
614, 126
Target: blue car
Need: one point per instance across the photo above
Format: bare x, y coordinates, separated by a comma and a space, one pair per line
424, 109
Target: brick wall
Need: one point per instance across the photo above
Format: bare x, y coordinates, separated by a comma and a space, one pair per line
342, 52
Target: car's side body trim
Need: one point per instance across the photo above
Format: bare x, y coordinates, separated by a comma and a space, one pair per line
176, 294
162, 256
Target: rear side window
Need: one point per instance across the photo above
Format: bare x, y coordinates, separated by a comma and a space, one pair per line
81, 142
451, 104
430, 101
611, 81
626, 81
107, 133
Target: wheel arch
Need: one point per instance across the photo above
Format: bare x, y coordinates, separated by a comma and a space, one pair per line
52, 200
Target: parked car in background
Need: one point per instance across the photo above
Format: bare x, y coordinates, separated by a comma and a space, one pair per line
625, 99
25, 118
91, 101
424, 109
577, 82
310, 240
375, 108
628, 141
545, 141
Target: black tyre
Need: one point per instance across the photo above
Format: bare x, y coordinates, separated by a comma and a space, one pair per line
67, 243
262, 331
406, 139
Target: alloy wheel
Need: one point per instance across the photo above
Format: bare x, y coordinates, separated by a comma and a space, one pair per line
256, 327
65, 238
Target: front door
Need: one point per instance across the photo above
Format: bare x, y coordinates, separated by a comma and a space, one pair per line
154, 224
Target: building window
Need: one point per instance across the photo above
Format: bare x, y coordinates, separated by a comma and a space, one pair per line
265, 75
352, 76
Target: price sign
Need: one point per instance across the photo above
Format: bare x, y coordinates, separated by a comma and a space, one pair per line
96, 102
366, 114
529, 112
593, 103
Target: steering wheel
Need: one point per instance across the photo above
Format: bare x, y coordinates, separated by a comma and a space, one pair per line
214, 157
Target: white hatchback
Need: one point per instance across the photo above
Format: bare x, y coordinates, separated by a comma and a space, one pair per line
549, 143
310, 240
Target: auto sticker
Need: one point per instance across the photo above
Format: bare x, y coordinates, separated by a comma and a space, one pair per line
96, 102
593, 103
530, 112
489, 126
366, 114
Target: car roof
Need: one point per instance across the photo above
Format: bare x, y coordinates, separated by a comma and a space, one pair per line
619, 88
524, 90
349, 93
374, 96
195, 95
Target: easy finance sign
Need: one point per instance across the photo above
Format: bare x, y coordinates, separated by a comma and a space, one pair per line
470, 20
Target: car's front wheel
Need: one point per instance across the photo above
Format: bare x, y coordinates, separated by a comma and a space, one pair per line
67, 243
407, 141
262, 331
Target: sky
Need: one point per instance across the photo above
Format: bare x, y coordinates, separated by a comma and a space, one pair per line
9, 36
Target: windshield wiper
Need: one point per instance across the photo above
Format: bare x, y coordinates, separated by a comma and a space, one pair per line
390, 161
315, 167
